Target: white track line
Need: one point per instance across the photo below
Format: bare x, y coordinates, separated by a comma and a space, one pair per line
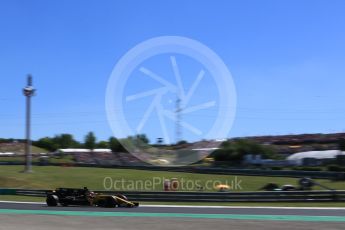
20, 202
203, 206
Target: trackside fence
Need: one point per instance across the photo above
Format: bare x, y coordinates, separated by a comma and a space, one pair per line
262, 196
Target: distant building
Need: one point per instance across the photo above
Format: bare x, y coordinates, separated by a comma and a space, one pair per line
66, 151
312, 158
251, 159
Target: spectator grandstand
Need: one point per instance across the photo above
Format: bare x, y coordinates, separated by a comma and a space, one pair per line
101, 157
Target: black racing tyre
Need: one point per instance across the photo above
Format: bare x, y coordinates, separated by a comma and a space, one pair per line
288, 188
110, 202
52, 200
306, 183
270, 187
100, 203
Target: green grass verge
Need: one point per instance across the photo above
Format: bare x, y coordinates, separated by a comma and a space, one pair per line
19, 148
21, 198
18, 159
62, 160
51, 177
21, 159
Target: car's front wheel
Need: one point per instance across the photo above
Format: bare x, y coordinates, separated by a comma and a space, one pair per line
52, 200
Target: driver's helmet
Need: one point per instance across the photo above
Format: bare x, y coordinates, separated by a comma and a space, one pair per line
91, 194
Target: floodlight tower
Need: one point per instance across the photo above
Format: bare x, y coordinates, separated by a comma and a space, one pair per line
28, 91
178, 128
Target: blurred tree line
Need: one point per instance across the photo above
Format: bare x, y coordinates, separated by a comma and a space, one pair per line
64, 141
233, 151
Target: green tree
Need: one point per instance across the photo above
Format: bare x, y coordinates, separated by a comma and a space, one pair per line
64, 141
46, 143
143, 138
234, 151
90, 141
102, 145
229, 152
182, 142
115, 145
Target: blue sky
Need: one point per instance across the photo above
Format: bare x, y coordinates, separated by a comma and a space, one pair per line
287, 59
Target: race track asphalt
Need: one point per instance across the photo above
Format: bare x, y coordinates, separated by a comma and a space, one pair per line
35, 216
182, 209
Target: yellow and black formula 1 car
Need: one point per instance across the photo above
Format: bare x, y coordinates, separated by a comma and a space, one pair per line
84, 197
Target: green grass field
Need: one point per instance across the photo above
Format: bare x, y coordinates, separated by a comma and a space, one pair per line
51, 177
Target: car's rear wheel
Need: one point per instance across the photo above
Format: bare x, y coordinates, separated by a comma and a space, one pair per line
110, 202
107, 202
